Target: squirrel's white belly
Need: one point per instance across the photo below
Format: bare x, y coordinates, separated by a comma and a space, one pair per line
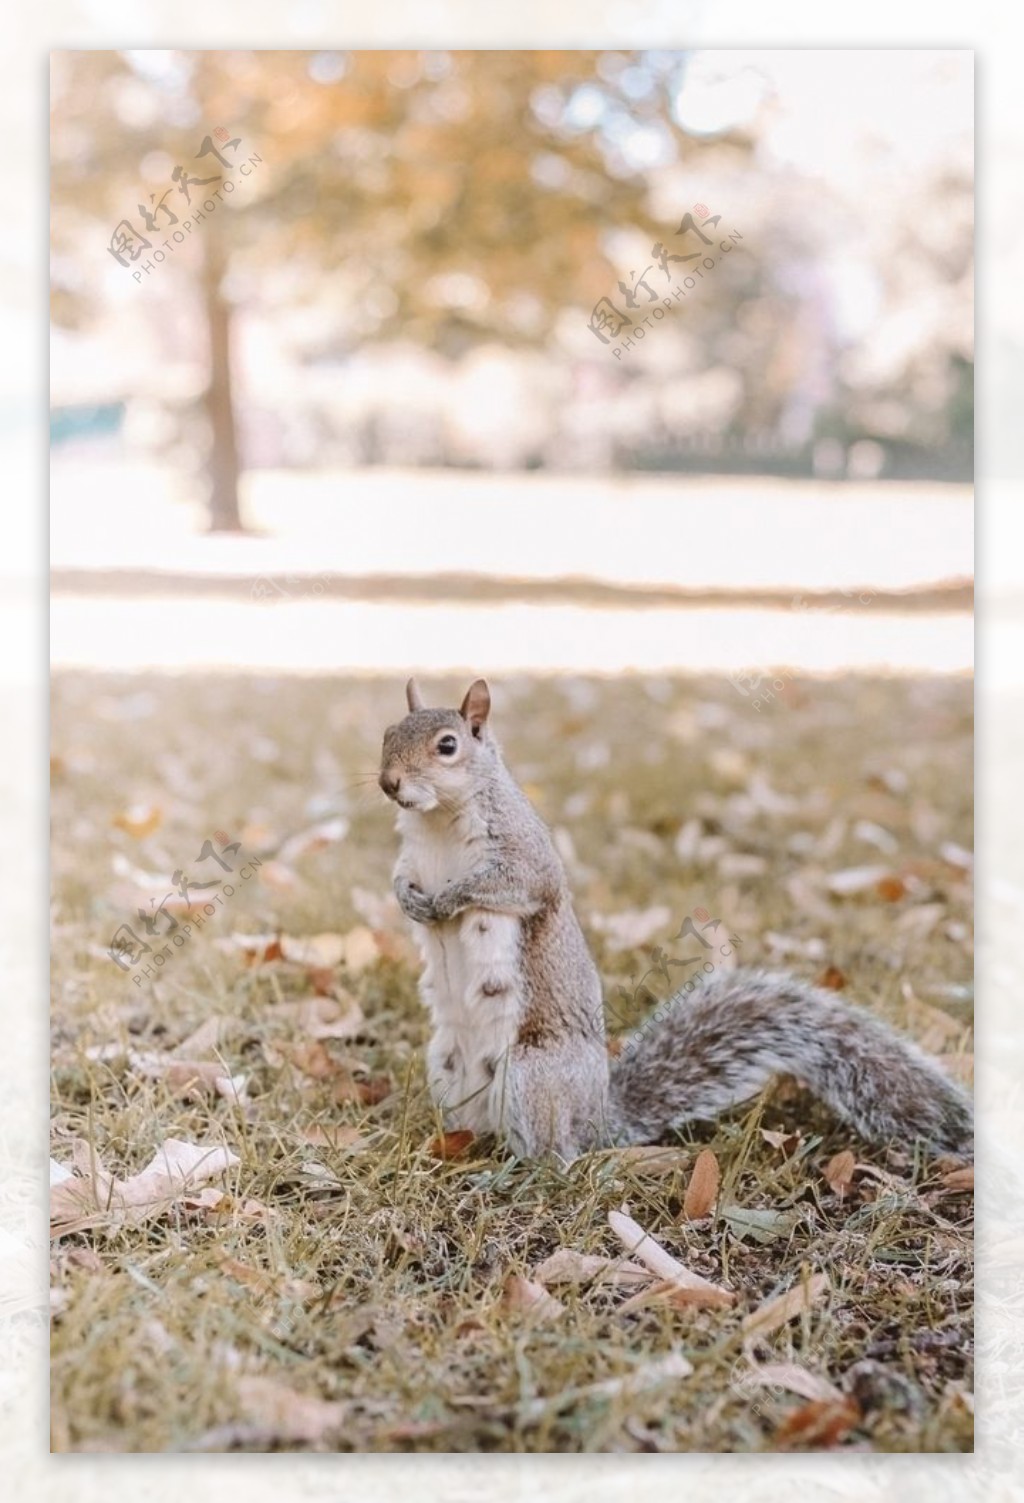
471, 980
471, 985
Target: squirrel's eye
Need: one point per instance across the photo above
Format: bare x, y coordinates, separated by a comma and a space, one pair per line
447, 746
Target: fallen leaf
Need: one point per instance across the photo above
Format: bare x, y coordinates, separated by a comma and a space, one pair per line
856, 879
256, 949
762, 1225
287, 1414
831, 978
679, 1296
839, 1172
451, 1145
791, 1377
191, 1078
566, 1266
632, 927
820, 1423
338, 1017
652, 1255
702, 1191
956, 855
360, 948
139, 820
327, 832
631, 1385
94, 1197
207, 1036
527, 1297
651, 1159
318, 951
959, 1180
277, 875
784, 1307
785, 1142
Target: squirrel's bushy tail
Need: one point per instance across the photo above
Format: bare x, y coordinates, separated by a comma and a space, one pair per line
722, 1043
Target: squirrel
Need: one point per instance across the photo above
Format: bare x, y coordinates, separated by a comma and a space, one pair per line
518, 1045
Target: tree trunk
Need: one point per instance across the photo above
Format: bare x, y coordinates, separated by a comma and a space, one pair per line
222, 464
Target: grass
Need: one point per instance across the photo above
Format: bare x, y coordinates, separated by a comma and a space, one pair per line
345, 1292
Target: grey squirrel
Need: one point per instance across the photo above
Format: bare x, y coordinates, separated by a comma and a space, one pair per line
518, 1045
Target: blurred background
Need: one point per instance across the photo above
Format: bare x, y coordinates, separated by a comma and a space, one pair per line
545, 360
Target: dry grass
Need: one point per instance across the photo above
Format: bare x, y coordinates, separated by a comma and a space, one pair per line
361, 1309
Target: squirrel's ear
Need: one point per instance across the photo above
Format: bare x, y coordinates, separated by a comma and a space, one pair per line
476, 706
413, 697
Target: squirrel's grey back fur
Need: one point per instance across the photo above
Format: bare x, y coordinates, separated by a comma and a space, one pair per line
518, 1044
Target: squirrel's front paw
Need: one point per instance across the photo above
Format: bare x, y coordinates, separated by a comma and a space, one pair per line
414, 902
447, 903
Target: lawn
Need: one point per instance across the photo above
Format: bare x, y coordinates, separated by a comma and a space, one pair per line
337, 1280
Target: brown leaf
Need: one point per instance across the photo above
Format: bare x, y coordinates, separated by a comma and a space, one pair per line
959, 1180
820, 1423
646, 1159
451, 1145
784, 1307
327, 832
527, 1297
139, 820
832, 978
680, 1296
255, 949
320, 1017
792, 1377
785, 1142
277, 875
94, 1197
287, 1414
853, 880
316, 951
702, 1191
839, 1172
566, 1266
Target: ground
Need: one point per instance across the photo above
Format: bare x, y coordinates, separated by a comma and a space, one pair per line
343, 1286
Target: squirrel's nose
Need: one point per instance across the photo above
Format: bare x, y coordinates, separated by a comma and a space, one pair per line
389, 783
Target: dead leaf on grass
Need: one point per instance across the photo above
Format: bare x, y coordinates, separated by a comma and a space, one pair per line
526, 1297
139, 820
566, 1266
839, 1172
821, 1423
647, 1159
784, 1307
315, 838
94, 1197
793, 1378
959, 1180
451, 1145
645, 1249
287, 1414
762, 1224
702, 1191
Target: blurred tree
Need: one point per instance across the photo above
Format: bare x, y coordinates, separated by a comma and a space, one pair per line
455, 198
